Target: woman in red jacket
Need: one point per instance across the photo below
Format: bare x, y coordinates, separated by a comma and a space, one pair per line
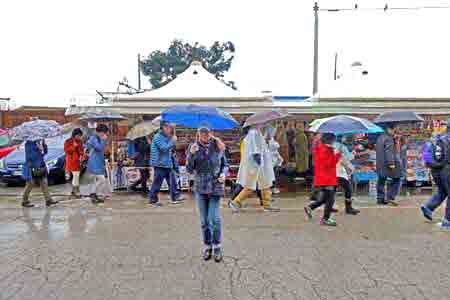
325, 179
74, 151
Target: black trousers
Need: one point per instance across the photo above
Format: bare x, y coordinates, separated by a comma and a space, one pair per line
347, 187
145, 174
326, 197
315, 193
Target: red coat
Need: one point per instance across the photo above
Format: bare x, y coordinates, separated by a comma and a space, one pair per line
74, 155
325, 161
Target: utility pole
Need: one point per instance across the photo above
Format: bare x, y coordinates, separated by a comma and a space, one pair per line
316, 49
139, 71
335, 65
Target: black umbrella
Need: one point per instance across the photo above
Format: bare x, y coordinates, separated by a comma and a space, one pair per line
398, 117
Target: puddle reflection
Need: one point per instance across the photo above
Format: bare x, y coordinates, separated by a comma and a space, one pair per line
51, 224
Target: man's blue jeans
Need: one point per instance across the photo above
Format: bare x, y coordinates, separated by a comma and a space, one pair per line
210, 220
173, 185
158, 177
442, 182
392, 189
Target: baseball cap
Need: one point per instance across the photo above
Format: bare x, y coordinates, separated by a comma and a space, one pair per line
204, 129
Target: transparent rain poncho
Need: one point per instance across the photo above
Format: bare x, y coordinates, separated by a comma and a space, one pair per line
250, 174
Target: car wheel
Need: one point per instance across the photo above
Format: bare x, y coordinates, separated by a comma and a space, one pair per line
51, 180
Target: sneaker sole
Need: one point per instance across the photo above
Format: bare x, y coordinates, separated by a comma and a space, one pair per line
308, 213
233, 208
446, 227
425, 214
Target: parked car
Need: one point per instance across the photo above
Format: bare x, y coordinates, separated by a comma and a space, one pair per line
11, 166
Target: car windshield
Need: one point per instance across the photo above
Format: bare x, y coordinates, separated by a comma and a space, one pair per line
56, 142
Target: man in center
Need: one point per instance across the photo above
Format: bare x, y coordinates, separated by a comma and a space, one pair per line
161, 159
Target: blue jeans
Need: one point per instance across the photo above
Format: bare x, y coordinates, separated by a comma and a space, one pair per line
443, 183
158, 177
173, 185
210, 220
392, 189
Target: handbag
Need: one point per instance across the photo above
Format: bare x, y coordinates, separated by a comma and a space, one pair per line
38, 172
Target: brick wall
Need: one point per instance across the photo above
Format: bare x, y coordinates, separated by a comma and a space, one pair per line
16, 117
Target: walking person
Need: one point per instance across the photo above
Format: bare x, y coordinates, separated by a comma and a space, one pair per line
174, 179
315, 142
404, 146
440, 173
277, 159
141, 157
207, 162
388, 166
237, 188
35, 172
325, 179
161, 159
344, 170
255, 170
74, 151
96, 168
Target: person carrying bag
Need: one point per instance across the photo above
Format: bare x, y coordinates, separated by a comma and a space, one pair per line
35, 171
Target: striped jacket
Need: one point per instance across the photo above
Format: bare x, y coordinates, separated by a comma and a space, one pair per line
161, 151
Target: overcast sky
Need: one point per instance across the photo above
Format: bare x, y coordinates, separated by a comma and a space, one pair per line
53, 50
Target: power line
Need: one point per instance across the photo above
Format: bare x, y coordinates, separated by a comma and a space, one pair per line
385, 8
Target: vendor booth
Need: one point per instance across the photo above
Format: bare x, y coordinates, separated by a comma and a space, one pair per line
198, 86
194, 86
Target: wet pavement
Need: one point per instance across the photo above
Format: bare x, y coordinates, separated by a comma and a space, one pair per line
125, 249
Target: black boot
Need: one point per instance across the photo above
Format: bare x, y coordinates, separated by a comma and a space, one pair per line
94, 198
51, 202
27, 204
349, 210
75, 194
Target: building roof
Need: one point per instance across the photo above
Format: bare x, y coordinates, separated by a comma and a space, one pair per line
37, 108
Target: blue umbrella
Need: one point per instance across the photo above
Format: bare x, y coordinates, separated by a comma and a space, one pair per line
195, 116
344, 125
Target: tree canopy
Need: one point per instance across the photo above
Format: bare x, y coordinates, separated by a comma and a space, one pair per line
163, 67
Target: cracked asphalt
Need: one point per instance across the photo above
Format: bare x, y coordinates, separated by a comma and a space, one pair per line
127, 250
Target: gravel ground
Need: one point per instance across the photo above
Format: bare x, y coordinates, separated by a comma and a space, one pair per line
126, 250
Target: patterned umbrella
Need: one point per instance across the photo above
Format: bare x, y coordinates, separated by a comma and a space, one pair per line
141, 129
5, 138
265, 117
344, 125
37, 130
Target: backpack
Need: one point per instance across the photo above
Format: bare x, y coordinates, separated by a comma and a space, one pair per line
438, 154
427, 153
